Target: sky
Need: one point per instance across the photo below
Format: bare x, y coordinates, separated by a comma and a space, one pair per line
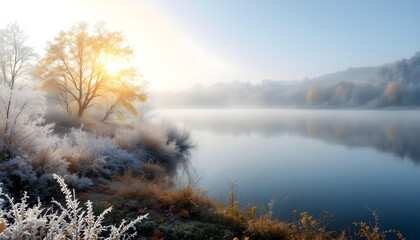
182, 43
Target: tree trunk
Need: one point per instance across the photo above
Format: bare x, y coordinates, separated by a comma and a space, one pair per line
105, 117
80, 112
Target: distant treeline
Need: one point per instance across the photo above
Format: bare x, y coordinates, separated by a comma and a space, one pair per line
390, 85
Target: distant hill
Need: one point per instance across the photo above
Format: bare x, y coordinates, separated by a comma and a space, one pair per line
358, 74
390, 85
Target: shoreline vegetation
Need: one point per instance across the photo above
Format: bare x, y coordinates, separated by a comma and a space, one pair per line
186, 212
162, 210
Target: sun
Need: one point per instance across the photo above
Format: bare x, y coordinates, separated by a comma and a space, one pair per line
110, 63
113, 67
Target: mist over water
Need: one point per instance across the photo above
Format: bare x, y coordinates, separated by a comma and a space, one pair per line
341, 161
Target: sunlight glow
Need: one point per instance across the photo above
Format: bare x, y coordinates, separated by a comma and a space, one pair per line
167, 55
113, 67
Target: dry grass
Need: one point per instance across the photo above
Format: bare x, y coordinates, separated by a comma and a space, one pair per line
132, 187
250, 222
264, 228
186, 201
153, 172
148, 183
261, 226
186, 197
371, 231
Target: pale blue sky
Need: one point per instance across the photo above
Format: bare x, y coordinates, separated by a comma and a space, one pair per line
180, 43
293, 39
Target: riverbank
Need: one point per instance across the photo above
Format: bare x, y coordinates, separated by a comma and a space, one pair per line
187, 213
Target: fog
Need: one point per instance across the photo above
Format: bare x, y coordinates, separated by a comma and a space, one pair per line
384, 131
392, 85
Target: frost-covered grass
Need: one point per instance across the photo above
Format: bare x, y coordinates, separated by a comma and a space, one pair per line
163, 144
89, 155
28, 150
19, 220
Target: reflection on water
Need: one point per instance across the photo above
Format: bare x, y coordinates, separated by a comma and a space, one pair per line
395, 132
313, 160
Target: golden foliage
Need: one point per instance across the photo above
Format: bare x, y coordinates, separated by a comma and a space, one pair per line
86, 66
372, 231
314, 95
121, 96
394, 92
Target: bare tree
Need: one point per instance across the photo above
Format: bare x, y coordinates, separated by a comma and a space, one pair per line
79, 68
145, 109
121, 99
15, 57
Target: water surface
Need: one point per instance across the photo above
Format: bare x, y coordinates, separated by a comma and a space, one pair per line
313, 160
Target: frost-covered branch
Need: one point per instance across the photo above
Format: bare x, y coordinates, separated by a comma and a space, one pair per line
18, 220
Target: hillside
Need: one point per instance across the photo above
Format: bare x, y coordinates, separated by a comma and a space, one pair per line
388, 85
